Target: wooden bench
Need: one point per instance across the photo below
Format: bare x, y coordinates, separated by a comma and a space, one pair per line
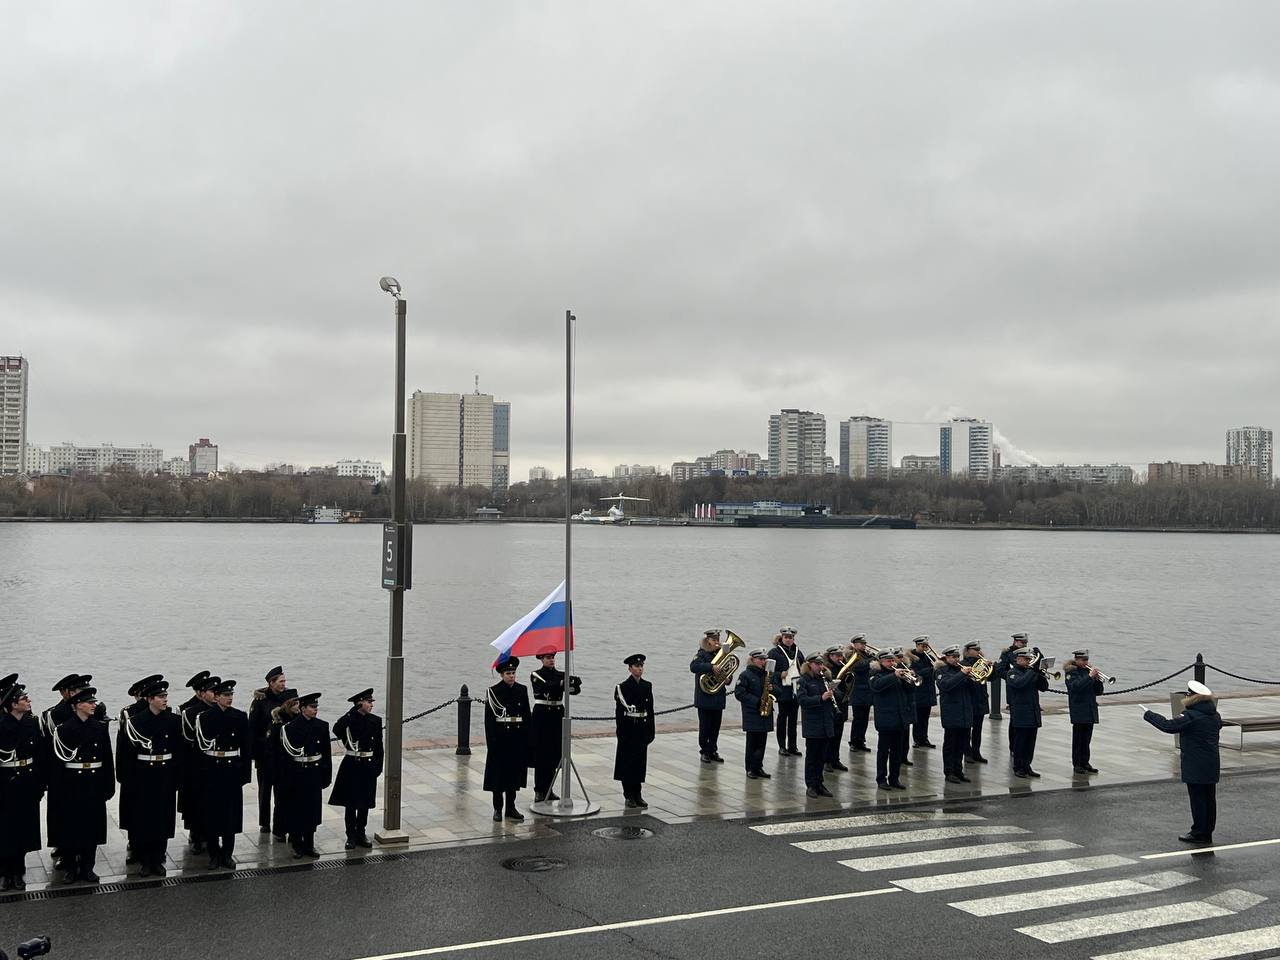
1251, 723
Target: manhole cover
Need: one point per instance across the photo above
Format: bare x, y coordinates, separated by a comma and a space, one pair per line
622, 833
535, 864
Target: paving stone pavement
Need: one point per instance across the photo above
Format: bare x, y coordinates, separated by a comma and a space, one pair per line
444, 803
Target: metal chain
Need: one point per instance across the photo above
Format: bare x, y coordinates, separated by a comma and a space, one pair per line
424, 713
1144, 686
1270, 683
656, 713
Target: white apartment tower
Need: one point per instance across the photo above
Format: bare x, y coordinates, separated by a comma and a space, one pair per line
866, 448
13, 415
980, 454
797, 443
1252, 447
451, 438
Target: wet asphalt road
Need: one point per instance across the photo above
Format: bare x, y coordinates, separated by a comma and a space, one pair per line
463, 895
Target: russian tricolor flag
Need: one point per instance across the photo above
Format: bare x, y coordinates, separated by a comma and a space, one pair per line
541, 627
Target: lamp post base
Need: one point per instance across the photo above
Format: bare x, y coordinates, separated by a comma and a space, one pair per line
386, 838
566, 808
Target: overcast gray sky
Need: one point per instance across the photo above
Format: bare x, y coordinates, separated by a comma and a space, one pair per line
1062, 217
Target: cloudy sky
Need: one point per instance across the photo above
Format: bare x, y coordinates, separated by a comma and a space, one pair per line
1062, 217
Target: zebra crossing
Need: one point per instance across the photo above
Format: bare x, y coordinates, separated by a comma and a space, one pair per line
969, 837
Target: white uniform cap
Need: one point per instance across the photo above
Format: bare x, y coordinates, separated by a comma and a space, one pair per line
1195, 686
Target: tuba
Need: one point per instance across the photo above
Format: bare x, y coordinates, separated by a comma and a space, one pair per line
724, 665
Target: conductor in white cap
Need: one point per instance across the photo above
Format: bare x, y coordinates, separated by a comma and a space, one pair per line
1198, 725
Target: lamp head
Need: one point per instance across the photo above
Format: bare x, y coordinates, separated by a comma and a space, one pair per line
391, 285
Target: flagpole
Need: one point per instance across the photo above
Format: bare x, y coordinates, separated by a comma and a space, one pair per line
566, 806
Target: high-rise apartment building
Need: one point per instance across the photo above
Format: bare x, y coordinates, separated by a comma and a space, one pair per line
1251, 447
13, 415
451, 438
944, 449
866, 448
980, 450
203, 455
797, 443
501, 445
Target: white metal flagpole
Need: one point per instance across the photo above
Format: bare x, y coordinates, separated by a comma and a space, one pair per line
566, 806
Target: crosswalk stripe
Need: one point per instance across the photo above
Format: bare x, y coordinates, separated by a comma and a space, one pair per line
1206, 948
903, 836
868, 820
1024, 871
1079, 893
1146, 918
952, 854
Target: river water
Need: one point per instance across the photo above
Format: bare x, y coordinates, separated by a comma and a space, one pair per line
120, 601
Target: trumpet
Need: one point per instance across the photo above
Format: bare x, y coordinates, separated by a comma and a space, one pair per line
912, 677
1103, 677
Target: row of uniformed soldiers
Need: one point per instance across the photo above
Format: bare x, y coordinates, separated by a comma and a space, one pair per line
195, 760
900, 688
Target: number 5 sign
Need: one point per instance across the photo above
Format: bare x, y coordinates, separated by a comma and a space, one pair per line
397, 556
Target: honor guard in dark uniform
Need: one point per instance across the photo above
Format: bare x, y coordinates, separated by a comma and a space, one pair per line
633, 721
359, 730
506, 734
149, 756
307, 768
81, 782
1025, 684
894, 706
787, 658
22, 782
754, 691
980, 695
710, 706
956, 707
1004, 667
834, 662
1198, 727
265, 699
548, 687
191, 788
59, 713
222, 737
281, 715
926, 694
138, 703
818, 722
1083, 687
859, 695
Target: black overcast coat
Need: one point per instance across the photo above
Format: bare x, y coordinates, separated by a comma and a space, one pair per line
78, 796
222, 779
635, 733
356, 784
954, 698
506, 762
817, 716
894, 700
1025, 685
699, 666
749, 691
21, 787
1199, 726
1082, 695
149, 786
306, 768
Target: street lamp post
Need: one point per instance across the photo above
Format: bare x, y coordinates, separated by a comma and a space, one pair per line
397, 560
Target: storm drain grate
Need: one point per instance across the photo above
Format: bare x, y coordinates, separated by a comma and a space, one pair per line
535, 864
622, 833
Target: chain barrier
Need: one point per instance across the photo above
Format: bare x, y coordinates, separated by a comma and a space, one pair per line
425, 713
1236, 676
656, 713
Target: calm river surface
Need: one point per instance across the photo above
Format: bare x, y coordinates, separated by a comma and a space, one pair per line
124, 600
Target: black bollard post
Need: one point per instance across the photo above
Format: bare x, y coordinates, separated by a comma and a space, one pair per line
996, 699
1200, 667
464, 723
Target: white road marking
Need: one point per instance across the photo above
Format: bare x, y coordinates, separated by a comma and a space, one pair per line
1206, 948
852, 823
1147, 918
1024, 871
629, 924
903, 836
1080, 893
966, 853
1190, 851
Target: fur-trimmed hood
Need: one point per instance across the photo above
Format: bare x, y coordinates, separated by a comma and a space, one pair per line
261, 693
705, 644
1197, 698
806, 669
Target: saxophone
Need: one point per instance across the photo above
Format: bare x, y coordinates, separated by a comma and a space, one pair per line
766, 701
